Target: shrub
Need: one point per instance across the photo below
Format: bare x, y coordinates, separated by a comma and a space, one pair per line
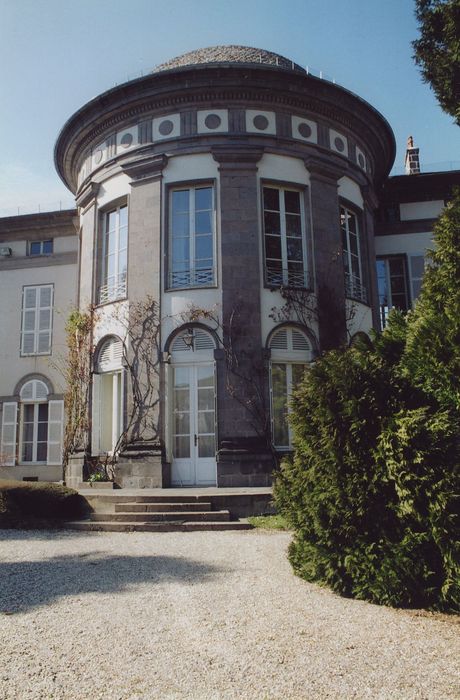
371, 490
24, 504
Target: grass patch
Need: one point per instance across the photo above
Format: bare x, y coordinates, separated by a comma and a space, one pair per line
269, 522
40, 504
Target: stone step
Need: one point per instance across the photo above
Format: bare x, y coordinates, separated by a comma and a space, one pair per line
218, 515
165, 526
161, 507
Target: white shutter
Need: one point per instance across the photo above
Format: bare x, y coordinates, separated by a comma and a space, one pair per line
37, 311
55, 431
95, 416
9, 426
29, 305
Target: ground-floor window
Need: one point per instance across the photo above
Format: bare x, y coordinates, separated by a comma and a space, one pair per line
290, 353
108, 398
32, 428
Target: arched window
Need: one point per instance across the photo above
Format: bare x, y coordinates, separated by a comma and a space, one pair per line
32, 431
108, 397
291, 351
34, 421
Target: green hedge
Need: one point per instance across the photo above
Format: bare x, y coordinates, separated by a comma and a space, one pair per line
24, 504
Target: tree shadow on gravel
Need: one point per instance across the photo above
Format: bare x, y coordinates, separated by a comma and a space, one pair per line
30, 584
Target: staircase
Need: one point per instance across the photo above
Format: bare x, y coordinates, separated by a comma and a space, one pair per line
155, 514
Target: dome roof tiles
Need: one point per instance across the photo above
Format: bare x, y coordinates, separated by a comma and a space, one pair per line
230, 54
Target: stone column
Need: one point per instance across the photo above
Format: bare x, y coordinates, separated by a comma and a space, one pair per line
370, 205
327, 251
244, 456
140, 464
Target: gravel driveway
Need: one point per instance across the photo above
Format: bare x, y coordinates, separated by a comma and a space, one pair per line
102, 616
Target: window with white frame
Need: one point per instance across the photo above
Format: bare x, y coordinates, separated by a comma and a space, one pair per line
191, 237
392, 285
417, 270
37, 319
290, 352
284, 237
114, 255
32, 431
41, 247
352, 262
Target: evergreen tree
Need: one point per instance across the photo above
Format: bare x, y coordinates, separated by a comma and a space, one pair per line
437, 51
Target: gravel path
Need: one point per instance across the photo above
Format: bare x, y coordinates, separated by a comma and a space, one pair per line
114, 616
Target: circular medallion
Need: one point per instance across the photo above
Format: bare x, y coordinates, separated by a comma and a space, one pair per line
361, 160
339, 144
126, 140
166, 127
212, 121
304, 130
260, 122
98, 156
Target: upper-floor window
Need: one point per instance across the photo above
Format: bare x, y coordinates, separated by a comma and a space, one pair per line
284, 237
351, 247
41, 247
37, 319
392, 285
191, 237
114, 255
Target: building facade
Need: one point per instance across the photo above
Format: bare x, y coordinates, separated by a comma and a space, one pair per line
227, 229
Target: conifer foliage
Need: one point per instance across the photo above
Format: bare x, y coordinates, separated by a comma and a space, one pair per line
373, 490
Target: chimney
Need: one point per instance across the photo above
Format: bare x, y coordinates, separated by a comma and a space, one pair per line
412, 162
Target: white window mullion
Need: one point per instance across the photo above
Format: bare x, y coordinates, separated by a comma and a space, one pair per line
284, 253
35, 434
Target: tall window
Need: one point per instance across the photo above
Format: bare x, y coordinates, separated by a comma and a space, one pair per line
114, 255
392, 285
290, 354
37, 318
352, 255
191, 237
40, 428
284, 236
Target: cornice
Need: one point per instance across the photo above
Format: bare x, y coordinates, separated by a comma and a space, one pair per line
88, 195
236, 157
328, 170
149, 167
191, 89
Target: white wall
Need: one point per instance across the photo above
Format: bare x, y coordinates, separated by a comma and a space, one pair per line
11, 283
411, 211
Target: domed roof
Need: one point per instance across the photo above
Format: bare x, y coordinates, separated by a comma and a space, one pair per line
229, 54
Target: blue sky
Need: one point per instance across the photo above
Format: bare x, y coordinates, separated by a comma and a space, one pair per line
55, 55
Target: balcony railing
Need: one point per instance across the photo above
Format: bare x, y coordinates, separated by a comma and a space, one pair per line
113, 290
282, 277
191, 278
354, 289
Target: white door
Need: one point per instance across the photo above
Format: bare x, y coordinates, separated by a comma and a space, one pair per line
193, 426
110, 411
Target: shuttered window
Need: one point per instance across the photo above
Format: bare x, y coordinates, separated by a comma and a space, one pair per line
37, 320
290, 353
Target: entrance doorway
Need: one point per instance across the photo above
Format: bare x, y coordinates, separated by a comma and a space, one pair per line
193, 410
